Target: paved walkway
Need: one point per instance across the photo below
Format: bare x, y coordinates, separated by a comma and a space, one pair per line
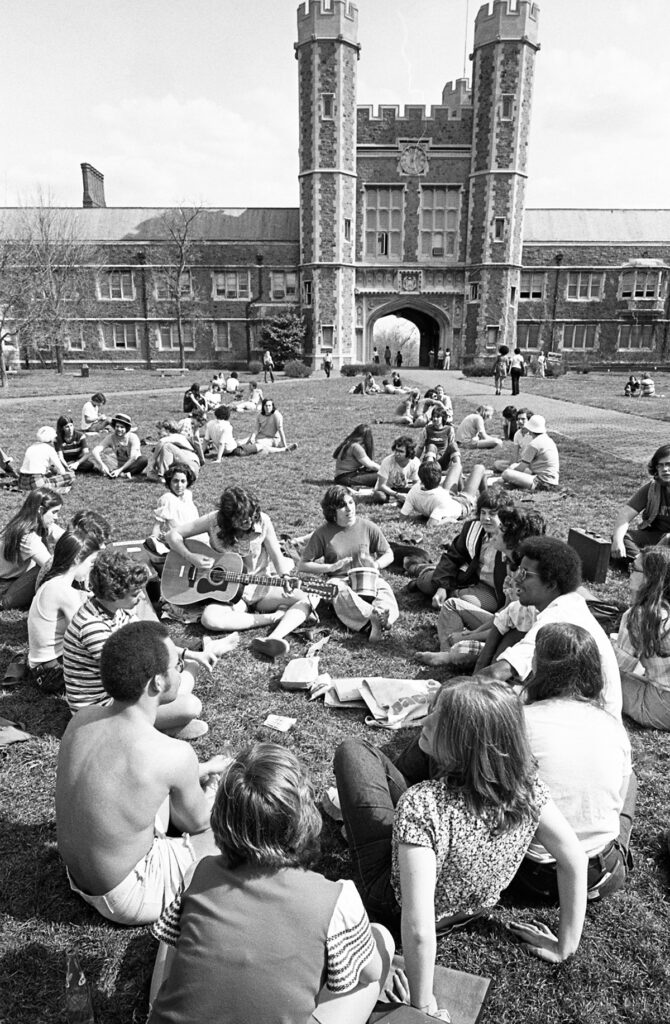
617, 435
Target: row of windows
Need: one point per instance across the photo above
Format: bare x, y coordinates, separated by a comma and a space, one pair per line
586, 285
129, 335
228, 284
439, 212
582, 337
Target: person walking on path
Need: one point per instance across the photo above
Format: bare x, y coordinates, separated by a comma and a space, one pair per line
268, 367
387, 356
517, 369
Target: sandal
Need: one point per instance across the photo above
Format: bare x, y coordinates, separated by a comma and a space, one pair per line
15, 671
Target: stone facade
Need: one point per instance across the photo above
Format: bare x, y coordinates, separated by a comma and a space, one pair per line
418, 213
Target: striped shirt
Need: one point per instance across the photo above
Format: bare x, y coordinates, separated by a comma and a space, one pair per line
349, 942
82, 647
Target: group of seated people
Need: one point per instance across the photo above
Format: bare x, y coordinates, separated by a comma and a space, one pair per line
645, 387
112, 447
520, 778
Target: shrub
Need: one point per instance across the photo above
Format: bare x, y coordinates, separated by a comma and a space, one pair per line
557, 369
296, 368
357, 369
254, 367
478, 370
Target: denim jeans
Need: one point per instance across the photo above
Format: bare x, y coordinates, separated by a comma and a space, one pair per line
370, 785
607, 870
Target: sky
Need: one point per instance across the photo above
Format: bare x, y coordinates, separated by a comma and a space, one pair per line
195, 101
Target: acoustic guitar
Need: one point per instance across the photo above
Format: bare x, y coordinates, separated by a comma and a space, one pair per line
183, 583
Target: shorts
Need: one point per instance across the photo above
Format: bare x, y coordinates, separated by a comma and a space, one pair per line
468, 503
150, 887
48, 676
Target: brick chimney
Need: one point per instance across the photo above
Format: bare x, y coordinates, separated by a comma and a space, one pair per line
94, 187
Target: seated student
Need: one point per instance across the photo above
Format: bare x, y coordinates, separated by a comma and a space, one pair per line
233, 384
441, 399
549, 577
92, 418
42, 466
229, 933
190, 427
398, 472
219, 434
406, 411
470, 566
647, 386
355, 464
538, 467
438, 437
652, 500
171, 447
583, 757
395, 380
437, 835
7, 469
238, 526
471, 431
26, 544
120, 782
194, 401
120, 454
464, 627
253, 402
268, 435
212, 396
343, 543
389, 388
642, 646
519, 438
72, 446
55, 603
440, 500
175, 507
632, 387
117, 582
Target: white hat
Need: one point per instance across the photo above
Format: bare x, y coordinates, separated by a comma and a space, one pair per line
46, 434
536, 425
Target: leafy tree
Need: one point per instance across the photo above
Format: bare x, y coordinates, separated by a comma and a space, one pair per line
284, 335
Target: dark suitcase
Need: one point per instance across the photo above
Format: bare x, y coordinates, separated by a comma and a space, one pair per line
594, 552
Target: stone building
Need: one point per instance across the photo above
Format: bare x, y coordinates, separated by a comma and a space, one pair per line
418, 214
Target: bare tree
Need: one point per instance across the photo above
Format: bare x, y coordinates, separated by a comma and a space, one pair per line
58, 263
178, 255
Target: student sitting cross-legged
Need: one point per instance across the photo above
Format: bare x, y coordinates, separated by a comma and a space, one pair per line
120, 781
257, 935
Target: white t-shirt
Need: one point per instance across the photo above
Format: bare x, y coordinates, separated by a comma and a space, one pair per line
469, 428
41, 457
395, 476
437, 504
89, 414
221, 430
541, 454
570, 608
583, 757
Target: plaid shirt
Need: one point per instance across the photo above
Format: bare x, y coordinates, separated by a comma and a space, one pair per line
656, 668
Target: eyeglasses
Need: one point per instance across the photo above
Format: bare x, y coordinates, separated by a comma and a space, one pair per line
523, 574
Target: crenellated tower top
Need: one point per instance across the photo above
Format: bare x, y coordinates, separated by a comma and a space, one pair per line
327, 19
507, 19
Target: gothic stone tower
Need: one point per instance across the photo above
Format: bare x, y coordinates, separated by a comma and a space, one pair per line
327, 53
505, 44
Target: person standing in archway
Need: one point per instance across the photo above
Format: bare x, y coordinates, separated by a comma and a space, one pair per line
446, 363
387, 357
398, 358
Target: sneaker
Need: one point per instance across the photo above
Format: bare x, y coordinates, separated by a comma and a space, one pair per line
291, 447
269, 646
194, 730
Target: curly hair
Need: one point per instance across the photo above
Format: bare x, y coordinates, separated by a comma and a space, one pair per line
661, 453
516, 526
222, 412
131, 657
235, 503
483, 753
115, 575
406, 442
494, 498
179, 467
566, 664
648, 619
264, 812
334, 498
558, 564
91, 521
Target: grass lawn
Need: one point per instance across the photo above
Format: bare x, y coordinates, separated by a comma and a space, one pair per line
621, 971
603, 390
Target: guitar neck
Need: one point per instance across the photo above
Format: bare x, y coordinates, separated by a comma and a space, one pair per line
315, 585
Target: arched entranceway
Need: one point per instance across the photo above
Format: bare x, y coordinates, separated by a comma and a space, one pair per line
416, 329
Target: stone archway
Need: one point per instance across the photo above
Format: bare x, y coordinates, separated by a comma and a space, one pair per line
431, 323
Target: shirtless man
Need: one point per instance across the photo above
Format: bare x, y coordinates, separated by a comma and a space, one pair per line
120, 781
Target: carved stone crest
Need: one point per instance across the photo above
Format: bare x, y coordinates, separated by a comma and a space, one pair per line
410, 281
